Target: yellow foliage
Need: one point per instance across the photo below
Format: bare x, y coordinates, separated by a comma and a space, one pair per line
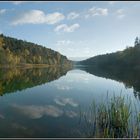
1, 42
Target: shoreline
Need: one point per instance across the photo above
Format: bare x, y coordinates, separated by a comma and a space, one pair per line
32, 66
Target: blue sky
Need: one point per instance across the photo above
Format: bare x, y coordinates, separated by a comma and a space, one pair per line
76, 29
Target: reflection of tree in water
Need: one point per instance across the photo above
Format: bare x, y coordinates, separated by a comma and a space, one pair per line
130, 77
12, 80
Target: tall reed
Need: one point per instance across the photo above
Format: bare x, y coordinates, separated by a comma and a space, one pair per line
114, 118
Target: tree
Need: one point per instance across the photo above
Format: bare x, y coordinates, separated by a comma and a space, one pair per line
1, 42
16, 52
137, 41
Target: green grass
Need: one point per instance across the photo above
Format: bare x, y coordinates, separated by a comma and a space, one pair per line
112, 119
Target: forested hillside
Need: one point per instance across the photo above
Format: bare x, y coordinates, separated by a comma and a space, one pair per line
15, 52
128, 58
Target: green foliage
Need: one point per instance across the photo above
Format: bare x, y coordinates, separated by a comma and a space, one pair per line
15, 52
128, 58
113, 118
1, 42
137, 41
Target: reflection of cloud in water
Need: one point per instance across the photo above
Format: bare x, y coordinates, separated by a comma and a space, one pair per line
71, 114
79, 77
65, 101
36, 112
62, 86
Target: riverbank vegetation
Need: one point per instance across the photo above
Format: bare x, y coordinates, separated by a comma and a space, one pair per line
114, 118
126, 59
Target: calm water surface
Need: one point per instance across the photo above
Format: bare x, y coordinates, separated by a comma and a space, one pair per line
46, 102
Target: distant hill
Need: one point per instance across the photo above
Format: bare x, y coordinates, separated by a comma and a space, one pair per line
128, 58
14, 52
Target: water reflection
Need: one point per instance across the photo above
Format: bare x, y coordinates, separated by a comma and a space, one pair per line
64, 101
12, 80
36, 112
130, 78
51, 109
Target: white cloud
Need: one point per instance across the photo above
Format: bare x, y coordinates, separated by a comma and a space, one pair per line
38, 17
96, 12
21, 2
17, 2
65, 101
112, 2
2, 11
120, 13
36, 112
66, 28
64, 42
72, 15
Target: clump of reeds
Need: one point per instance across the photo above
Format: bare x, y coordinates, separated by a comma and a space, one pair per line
112, 119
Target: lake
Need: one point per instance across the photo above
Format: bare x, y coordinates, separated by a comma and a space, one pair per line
46, 102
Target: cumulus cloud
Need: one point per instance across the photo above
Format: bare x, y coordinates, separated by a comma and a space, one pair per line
65, 101
36, 112
120, 13
38, 17
97, 12
2, 11
66, 28
72, 15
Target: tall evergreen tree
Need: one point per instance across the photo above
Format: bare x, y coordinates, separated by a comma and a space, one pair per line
136, 41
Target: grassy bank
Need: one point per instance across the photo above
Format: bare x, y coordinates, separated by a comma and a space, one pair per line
112, 119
